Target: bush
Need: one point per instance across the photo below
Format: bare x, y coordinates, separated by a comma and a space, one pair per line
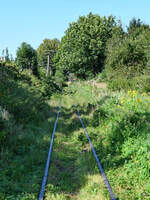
98, 116
2, 126
6, 124
21, 95
141, 83
127, 63
22, 100
43, 85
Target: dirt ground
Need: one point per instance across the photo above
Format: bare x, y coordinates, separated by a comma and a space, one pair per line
100, 85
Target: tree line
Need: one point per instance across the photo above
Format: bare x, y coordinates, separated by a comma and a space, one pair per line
92, 46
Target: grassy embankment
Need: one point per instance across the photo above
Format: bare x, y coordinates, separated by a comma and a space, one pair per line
26, 120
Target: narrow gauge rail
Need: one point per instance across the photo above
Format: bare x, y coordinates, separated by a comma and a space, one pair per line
97, 160
42, 191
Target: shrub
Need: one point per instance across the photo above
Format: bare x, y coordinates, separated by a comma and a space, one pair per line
127, 63
20, 95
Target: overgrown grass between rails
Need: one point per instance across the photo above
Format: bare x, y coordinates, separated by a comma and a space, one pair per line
73, 166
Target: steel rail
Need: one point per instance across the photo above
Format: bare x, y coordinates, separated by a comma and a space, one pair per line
97, 160
42, 191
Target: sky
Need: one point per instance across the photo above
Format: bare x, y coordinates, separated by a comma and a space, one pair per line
32, 21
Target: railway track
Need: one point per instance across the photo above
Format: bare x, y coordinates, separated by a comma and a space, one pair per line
48, 162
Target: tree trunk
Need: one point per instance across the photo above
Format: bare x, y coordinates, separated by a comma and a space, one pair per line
48, 67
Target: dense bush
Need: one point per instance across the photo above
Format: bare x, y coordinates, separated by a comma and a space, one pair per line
47, 48
22, 98
27, 58
7, 125
2, 126
17, 97
43, 85
127, 63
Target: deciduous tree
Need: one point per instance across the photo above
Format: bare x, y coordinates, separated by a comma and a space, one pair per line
46, 52
27, 57
82, 49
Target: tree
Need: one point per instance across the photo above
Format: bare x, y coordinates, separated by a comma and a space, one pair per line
127, 65
136, 26
46, 52
82, 49
7, 59
5, 56
27, 57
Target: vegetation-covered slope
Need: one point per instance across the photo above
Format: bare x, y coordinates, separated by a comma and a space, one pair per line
23, 108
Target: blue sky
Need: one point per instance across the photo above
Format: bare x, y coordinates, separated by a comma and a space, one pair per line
32, 21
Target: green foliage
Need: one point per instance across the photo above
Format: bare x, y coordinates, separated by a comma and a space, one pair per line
43, 85
47, 48
22, 178
7, 57
7, 124
82, 49
141, 83
27, 58
2, 127
13, 95
136, 26
99, 115
127, 60
118, 125
23, 108
60, 78
23, 94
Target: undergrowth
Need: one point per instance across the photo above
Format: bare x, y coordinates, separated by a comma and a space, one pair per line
119, 126
24, 130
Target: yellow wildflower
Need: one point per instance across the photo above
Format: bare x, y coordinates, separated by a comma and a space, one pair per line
122, 101
144, 94
129, 92
133, 93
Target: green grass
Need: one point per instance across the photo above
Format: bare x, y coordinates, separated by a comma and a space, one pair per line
119, 126
73, 166
23, 158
